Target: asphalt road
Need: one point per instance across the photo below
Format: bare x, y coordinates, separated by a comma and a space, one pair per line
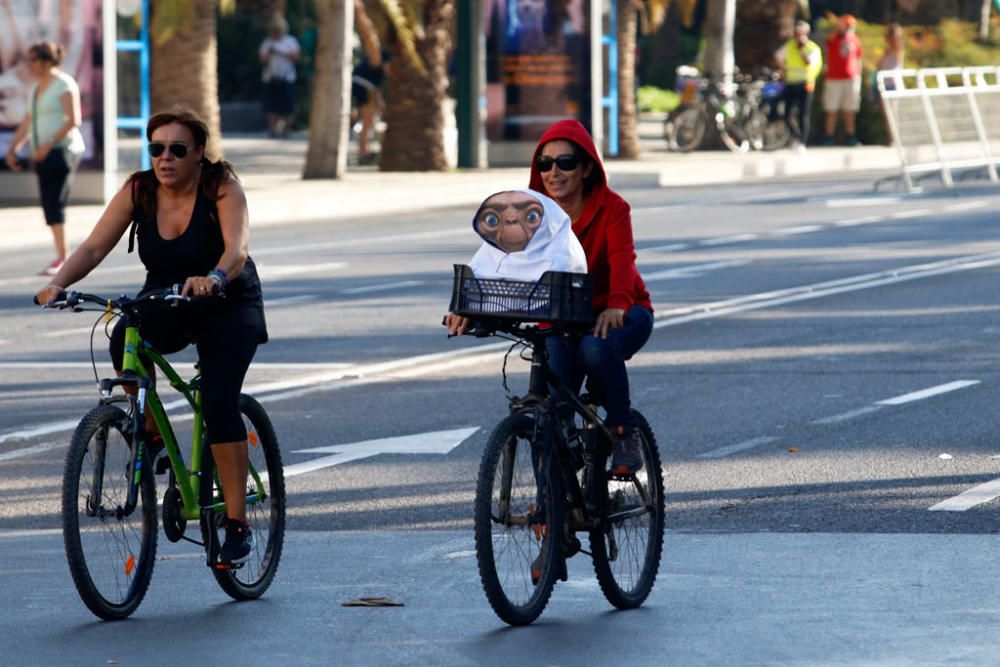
823, 373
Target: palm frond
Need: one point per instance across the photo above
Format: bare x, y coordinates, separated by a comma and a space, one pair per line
169, 17
405, 33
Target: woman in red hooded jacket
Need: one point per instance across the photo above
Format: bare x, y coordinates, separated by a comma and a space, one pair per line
567, 168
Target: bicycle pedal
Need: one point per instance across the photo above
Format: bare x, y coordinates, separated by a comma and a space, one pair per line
227, 566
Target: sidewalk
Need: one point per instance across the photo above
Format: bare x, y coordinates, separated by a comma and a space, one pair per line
271, 173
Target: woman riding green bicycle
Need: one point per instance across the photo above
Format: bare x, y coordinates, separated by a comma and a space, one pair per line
190, 217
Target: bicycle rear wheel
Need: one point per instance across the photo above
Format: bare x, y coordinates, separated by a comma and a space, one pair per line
511, 529
266, 517
110, 551
685, 129
627, 550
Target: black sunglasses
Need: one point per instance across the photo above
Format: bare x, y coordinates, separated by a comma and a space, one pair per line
567, 162
177, 149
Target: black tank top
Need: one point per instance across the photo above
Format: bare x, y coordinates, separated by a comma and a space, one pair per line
194, 253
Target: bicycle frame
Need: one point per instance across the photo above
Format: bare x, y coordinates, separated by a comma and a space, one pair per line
136, 352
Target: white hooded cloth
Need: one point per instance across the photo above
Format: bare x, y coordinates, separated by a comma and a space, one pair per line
554, 247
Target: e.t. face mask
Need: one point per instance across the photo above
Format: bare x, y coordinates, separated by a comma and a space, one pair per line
509, 220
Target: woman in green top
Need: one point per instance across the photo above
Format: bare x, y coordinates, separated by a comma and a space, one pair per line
52, 124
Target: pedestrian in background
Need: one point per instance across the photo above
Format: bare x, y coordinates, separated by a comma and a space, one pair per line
800, 61
52, 126
892, 59
278, 54
842, 93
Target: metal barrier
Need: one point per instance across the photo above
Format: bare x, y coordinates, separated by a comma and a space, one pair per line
943, 121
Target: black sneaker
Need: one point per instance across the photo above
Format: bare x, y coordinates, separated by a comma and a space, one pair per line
626, 457
238, 544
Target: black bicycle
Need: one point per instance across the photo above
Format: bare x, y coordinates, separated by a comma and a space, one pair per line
545, 474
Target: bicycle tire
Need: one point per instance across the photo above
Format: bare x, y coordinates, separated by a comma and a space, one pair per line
731, 130
110, 557
267, 518
687, 129
508, 542
624, 587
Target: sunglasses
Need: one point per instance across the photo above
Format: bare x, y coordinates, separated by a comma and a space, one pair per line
177, 149
567, 162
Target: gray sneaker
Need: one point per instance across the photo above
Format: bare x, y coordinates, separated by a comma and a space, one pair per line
626, 456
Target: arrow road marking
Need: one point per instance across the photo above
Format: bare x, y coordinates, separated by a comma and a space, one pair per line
435, 442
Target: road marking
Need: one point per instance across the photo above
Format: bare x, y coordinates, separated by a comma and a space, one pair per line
844, 416
927, 393
738, 447
426, 364
272, 272
67, 332
381, 288
468, 553
394, 240
289, 300
436, 442
666, 248
762, 300
868, 219
693, 271
915, 213
736, 238
861, 201
257, 365
802, 229
977, 495
34, 449
966, 206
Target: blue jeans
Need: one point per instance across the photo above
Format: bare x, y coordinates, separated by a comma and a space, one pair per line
602, 361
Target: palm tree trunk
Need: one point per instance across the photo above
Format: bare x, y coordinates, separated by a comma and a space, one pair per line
761, 29
414, 136
264, 9
628, 114
183, 69
329, 118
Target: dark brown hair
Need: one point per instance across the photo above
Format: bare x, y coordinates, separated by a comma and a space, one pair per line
144, 183
46, 50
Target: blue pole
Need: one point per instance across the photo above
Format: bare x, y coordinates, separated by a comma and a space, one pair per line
610, 101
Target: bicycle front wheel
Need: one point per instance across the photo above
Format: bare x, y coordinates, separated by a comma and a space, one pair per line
686, 129
627, 549
266, 515
512, 526
109, 547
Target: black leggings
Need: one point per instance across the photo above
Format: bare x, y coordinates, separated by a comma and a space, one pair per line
225, 350
798, 104
55, 173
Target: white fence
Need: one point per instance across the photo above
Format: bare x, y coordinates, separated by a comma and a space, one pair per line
943, 121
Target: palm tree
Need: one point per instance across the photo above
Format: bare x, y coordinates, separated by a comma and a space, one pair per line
761, 29
417, 81
184, 60
326, 156
652, 13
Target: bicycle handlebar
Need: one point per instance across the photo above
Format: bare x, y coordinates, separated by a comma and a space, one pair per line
73, 299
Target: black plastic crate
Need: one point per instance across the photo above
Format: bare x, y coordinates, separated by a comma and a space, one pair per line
556, 297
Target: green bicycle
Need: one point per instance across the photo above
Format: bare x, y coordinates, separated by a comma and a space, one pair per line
109, 500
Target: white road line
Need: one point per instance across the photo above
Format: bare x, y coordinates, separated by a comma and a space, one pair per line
365, 374
867, 220
722, 240
966, 206
35, 449
289, 300
350, 243
272, 272
738, 447
690, 271
381, 288
915, 213
844, 416
802, 229
666, 248
67, 332
927, 393
861, 201
977, 495
257, 365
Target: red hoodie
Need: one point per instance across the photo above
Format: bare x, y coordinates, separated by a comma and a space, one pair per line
604, 228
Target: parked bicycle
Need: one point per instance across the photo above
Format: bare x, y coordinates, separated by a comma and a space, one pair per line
544, 475
109, 500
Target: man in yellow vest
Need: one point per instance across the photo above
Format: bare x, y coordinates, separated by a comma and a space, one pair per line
801, 60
